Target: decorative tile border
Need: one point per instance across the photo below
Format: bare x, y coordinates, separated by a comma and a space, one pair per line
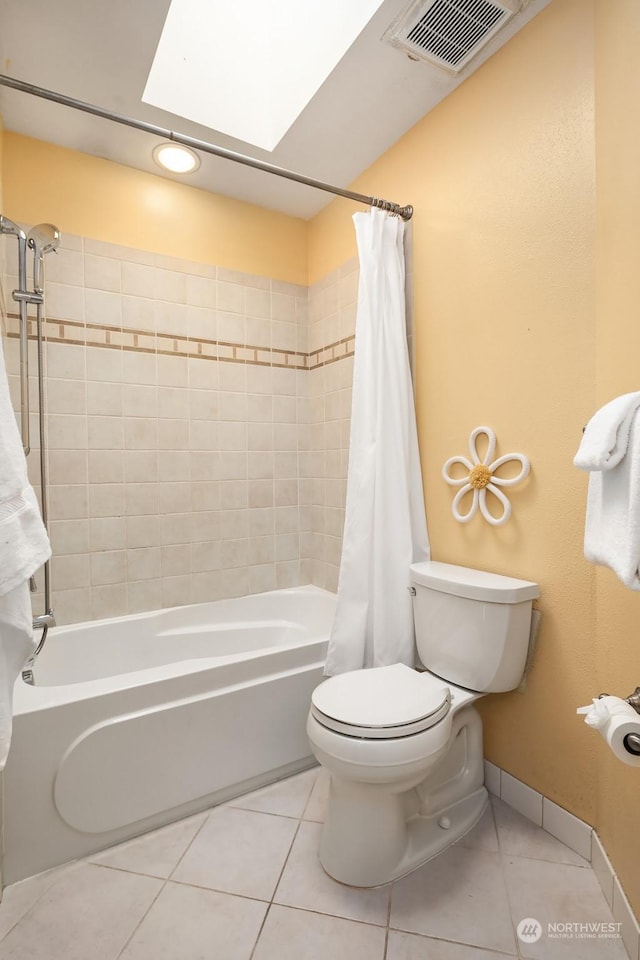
332, 352
168, 344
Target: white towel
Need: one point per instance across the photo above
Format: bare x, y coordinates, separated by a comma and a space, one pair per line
16, 644
612, 528
606, 436
24, 546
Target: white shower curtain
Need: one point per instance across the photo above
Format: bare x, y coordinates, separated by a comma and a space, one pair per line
385, 525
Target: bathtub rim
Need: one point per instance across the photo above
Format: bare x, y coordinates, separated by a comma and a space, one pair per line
29, 698
309, 588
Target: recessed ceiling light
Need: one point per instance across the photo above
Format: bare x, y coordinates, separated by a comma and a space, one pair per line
176, 158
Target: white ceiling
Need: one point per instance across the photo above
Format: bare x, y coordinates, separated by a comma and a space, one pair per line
100, 51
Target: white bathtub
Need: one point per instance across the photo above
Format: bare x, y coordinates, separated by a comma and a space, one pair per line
137, 721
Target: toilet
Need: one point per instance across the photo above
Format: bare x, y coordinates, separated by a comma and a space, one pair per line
404, 746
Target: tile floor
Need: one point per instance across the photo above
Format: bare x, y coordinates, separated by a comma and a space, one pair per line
243, 882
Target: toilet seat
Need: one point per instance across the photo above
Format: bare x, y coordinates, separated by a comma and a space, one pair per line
381, 703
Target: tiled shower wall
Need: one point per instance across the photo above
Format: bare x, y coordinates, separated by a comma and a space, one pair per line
327, 405
198, 424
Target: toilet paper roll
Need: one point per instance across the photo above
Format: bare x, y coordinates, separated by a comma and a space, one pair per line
616, 720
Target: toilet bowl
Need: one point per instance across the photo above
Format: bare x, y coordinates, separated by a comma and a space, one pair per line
404, 746
381, 821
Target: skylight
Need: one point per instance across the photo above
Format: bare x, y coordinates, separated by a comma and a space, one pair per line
248, 68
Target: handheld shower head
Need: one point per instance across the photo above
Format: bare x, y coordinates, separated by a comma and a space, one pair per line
42, 240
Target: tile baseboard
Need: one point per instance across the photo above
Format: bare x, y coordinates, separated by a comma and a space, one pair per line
575, 834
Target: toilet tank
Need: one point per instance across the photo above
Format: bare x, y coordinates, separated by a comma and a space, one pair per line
472, 627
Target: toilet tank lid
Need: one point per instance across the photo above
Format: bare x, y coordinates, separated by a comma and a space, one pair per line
472, 584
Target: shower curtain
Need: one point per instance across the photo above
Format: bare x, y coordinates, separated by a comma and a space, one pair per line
385, 524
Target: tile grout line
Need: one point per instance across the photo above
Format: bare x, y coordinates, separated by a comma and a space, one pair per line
38, 899
313, 787
163, 887
505, 885
322, 913
277, 883
388, 929
190, 844
198, 886
259, 934
140, 921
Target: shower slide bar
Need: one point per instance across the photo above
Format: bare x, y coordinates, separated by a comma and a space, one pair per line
405, 212
21, 296
42, 239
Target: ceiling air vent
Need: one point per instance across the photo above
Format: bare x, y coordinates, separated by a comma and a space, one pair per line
449, 33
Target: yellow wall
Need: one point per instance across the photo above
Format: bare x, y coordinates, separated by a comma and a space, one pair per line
618, 371
107, 201
509, 244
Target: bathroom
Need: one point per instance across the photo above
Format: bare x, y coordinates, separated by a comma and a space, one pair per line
523, 182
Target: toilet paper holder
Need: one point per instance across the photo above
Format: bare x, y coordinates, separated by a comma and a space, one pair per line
632, 740
633, 699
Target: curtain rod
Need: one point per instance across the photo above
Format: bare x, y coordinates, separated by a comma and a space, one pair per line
405, 212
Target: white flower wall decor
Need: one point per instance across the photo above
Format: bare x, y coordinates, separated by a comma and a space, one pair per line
481, 479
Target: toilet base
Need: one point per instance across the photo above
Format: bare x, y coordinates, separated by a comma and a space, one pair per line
425, 838
376, 832
429, 836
